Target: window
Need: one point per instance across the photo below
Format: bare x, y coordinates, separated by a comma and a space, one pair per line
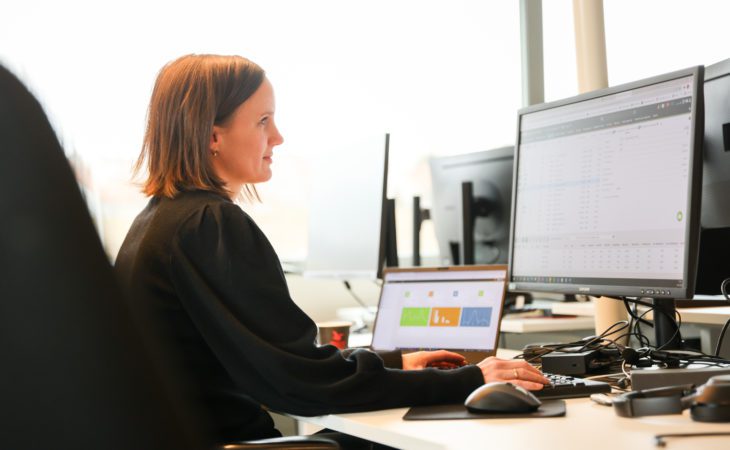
652, 37
443, 77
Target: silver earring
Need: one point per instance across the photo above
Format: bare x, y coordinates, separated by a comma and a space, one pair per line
215, 153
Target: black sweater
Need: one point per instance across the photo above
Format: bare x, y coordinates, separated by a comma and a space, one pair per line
215, 285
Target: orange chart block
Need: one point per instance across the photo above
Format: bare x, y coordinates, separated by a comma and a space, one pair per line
445, 317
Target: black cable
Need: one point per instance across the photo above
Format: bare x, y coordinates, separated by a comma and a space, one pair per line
682, 358
357, 299
677, 323
633, 314
595, 343
638, 301
602, 337
659, 438
677, 334
361, 303
718, 347
643, 340
634, 328
677, 320
723, 288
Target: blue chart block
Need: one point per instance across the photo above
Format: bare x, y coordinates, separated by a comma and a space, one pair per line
476, 317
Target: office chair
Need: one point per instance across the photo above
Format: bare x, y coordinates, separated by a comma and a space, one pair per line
77, 370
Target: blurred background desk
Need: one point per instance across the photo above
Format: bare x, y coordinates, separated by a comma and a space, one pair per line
516, 332
706, 322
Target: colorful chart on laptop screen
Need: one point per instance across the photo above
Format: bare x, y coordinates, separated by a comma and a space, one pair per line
421, 309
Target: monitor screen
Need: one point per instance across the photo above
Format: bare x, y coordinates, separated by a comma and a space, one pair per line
490, 173
607, 191
455, 308
347, 228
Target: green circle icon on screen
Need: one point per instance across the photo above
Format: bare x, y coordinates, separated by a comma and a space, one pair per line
679, 216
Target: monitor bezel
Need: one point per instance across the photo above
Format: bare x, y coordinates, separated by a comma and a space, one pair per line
693, 207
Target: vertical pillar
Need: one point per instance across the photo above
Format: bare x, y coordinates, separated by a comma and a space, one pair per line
590, 45
533, 76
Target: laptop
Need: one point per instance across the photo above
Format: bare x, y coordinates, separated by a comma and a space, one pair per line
453, 308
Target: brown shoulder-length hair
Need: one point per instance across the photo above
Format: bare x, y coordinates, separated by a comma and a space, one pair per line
191, 94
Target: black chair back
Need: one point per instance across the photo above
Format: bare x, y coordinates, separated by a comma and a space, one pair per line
75, 370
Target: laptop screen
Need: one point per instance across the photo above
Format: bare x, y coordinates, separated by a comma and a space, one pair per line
455, 308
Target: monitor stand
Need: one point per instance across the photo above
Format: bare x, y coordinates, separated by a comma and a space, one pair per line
665, 324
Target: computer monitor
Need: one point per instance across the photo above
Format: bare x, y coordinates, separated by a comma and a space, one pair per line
351, 222
488, 205
714, 262
606, 195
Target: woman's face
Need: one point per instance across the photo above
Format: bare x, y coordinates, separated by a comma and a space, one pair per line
245, 144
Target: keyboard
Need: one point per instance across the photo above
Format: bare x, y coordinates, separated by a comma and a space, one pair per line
566, 386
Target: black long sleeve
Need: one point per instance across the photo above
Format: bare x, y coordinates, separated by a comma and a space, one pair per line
214, 279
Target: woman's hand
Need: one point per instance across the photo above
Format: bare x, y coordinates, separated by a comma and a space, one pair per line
440, 358
516, 371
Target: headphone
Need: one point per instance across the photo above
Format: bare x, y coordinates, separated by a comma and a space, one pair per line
710, 402
646, 357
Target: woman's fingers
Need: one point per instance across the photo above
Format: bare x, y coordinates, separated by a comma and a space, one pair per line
515, 371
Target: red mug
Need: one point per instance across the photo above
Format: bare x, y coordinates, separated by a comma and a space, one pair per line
334, 333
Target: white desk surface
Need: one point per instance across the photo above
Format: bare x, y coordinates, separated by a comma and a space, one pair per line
576, 308
545, 324
586, 425
716, 315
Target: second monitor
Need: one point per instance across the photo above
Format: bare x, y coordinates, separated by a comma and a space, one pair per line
472, 196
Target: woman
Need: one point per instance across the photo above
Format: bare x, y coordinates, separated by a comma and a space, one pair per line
212, 279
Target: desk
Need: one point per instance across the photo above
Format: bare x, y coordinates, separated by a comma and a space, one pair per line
709, 321
518, 332
586, 425
545, 324
716, 315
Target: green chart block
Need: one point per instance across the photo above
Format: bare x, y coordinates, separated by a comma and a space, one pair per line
415, 317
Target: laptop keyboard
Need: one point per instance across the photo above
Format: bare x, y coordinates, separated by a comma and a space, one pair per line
566, 386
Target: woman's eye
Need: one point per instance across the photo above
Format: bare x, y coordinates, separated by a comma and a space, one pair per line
264, 120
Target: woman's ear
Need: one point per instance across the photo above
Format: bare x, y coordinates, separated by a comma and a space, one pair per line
214, 138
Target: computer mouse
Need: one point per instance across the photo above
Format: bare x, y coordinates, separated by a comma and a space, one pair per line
501, 397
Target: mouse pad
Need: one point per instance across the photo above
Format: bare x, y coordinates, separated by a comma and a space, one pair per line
549, 408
